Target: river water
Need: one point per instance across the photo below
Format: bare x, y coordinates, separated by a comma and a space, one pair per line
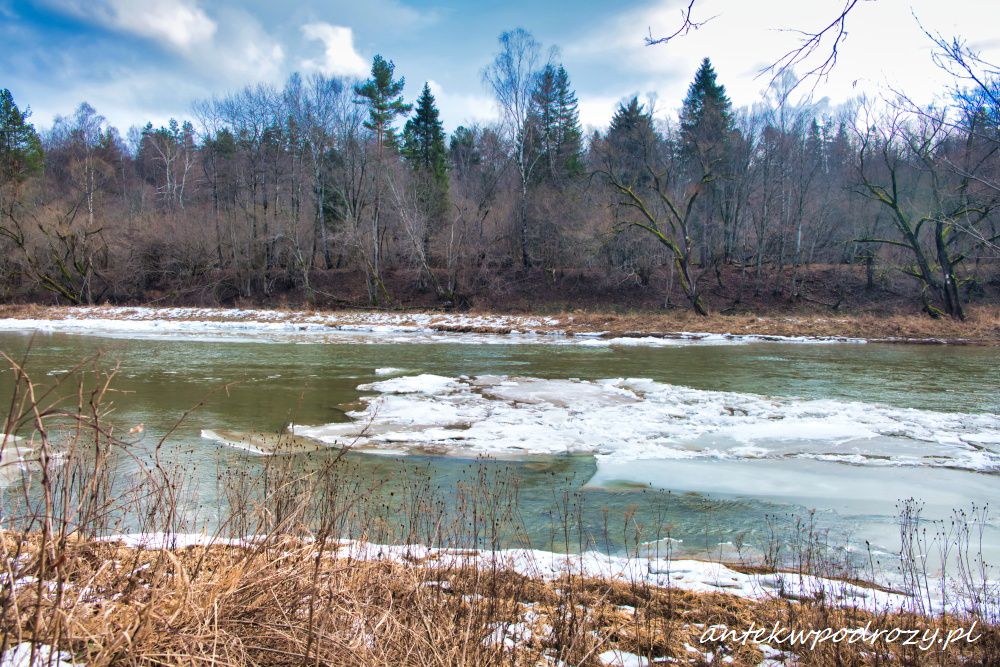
713, 444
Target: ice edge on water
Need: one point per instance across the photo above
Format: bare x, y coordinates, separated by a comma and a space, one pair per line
247, 325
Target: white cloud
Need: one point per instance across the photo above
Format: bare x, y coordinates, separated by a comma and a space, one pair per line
242, 52
885, 47
177, 24
596, 111
462, 108
340, 58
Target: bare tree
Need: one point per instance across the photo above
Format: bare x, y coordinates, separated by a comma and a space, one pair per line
657, 195
903, 165
824, 41
512, 76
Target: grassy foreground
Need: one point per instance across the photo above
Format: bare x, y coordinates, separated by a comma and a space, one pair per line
288, 602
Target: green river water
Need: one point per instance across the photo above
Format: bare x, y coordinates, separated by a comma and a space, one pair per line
706, 505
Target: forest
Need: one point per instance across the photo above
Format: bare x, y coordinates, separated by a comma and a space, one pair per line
332, 192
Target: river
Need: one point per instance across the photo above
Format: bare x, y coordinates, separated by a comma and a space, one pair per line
715, 444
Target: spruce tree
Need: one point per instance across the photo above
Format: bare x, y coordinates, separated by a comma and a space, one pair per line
568, 119
706, 118
555, 125
423, 139
629, 122
630, 136
424, 150
383, 96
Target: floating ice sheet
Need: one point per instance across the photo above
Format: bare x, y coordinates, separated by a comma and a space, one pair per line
640, 419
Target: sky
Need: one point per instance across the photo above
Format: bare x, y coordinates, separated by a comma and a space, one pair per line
149, 60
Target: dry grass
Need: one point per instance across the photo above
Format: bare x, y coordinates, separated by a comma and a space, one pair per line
981, 326
287, 602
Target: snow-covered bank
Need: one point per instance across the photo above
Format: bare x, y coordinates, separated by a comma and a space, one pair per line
697, 576
363, 327
640, 419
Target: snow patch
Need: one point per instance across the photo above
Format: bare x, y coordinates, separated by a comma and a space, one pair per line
248, 325
44, 656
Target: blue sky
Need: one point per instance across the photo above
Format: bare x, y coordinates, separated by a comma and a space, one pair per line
138, 61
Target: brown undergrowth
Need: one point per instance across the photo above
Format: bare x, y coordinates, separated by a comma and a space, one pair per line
289, 602
981, 326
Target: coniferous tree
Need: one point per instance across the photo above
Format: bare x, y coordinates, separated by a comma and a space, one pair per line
424, 150
706, 133
20, 147
423, 139
706, 121
462, 150
631, 135
556, 125
383, 96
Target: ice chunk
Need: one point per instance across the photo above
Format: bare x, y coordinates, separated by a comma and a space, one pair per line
413, 384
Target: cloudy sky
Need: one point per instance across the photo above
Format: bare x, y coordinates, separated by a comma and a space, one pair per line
138, 61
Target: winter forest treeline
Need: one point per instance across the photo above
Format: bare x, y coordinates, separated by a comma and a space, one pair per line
329, 186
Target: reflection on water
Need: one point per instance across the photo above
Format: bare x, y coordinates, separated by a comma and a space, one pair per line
251, 392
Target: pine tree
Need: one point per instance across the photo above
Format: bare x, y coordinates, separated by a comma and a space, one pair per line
706, 118
555, 125
423, 139
20, 147
384, 98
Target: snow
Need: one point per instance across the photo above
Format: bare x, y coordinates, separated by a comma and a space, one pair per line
45, 656
413, 384
618, 658
248, 325
632, 419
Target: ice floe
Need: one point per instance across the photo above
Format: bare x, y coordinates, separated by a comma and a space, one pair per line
636, 419
262, 444
16, 458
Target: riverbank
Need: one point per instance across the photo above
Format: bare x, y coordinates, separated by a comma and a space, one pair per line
289, 601
982, 327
